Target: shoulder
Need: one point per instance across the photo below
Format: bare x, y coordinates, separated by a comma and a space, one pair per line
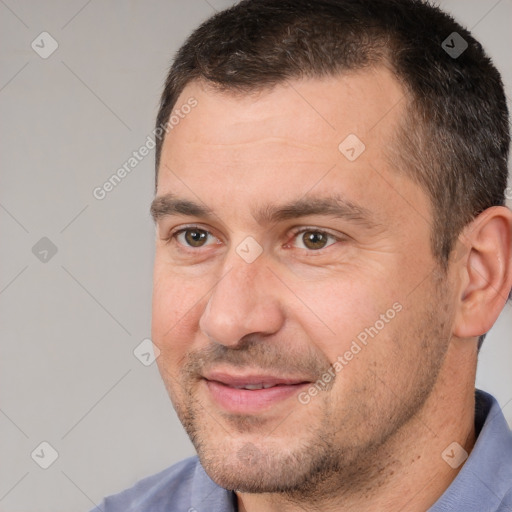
491, 459
172, 486
506, 503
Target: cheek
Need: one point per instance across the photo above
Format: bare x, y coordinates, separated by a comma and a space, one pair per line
175, 309
337, 310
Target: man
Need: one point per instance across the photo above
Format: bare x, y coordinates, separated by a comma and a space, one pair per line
332, 246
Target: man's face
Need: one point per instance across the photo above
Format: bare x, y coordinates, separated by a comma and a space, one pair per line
299, 262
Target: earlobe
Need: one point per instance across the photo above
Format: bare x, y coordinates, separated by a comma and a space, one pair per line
486, 272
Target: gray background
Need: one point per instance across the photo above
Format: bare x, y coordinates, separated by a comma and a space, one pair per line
69, 325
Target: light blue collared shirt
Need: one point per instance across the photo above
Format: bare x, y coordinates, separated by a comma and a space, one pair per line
484, 484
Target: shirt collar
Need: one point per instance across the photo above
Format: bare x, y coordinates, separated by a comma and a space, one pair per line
486, 475
207, 495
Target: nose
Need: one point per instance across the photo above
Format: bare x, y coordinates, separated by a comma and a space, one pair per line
244, 301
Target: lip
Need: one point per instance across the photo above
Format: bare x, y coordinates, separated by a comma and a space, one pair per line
243, 401
251, 379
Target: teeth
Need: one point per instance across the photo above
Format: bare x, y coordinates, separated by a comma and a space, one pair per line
255, 386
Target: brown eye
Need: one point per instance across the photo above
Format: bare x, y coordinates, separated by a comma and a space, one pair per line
315, 240
195, 237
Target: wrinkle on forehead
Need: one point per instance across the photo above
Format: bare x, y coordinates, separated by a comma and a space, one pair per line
323, 110
287, 141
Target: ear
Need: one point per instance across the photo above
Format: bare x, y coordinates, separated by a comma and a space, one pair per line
485, 270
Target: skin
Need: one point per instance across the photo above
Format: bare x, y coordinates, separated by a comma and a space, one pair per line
373, 439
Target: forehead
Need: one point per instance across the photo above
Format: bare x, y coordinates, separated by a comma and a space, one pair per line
283, 142
312, 112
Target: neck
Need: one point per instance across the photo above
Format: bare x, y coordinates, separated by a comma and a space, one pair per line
413, 472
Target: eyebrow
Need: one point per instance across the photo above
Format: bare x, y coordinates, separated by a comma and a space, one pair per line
333, 205
169, 204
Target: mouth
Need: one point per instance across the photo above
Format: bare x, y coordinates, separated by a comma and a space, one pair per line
251, 394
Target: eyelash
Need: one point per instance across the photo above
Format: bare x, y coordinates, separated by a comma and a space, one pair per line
173, 236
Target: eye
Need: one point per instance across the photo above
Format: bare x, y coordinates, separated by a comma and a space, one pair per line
193, 237
313, 239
